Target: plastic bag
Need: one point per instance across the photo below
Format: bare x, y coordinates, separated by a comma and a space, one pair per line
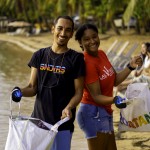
136, 116
26, 133
31, 134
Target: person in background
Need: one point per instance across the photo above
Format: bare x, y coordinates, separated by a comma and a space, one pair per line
57, 80
141, 74
95, 115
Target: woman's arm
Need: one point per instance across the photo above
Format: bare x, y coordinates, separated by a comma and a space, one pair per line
121, 76
95, 91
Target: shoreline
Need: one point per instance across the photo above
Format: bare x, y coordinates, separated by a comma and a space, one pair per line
33, 43
21, 41
18, 43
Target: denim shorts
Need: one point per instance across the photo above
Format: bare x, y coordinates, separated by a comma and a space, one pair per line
62, 140
93, 119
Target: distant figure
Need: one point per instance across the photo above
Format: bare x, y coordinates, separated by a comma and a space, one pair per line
141, 74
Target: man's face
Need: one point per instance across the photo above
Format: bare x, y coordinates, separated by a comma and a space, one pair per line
62, 32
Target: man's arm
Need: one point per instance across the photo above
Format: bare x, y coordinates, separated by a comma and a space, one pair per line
75, 100
31, 89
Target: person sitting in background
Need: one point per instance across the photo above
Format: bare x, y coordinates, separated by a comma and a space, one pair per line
141, 74
145, 52
95, 113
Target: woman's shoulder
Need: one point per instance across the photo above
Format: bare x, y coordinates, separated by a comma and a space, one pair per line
100, 51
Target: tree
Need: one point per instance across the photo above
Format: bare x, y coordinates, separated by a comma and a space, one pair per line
114, 6
103, 11
137, 9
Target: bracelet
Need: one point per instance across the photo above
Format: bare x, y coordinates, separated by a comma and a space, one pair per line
129, 67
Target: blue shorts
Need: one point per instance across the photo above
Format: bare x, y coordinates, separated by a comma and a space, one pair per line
62, 140
93, 119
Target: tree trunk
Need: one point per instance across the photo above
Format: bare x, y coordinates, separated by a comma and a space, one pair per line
137, 28
102, 25
114, 27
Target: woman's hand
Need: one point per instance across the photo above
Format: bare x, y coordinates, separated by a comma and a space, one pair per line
136, 61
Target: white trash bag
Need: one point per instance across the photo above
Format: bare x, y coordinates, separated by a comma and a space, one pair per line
136, 116
26, 133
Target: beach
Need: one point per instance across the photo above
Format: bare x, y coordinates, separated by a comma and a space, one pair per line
35, 42
126, 140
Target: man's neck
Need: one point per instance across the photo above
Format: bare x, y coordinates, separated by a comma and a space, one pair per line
59, 49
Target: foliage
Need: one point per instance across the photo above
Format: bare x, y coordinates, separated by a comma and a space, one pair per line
139, 10
103, 11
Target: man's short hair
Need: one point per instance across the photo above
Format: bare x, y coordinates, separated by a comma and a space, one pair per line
64, 17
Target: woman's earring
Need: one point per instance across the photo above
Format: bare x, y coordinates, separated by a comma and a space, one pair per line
82, 47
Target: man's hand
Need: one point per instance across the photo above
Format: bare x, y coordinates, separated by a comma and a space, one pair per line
66, 113
119, 102
16, 94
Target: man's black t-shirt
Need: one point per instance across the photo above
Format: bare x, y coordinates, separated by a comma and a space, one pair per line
56, 74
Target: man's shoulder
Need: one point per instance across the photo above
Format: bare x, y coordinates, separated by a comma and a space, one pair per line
42, 49
75, 53
75, 56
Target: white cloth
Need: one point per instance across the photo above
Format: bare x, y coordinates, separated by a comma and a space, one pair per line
136, 117
146, 62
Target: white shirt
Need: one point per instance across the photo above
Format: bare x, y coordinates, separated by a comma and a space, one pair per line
146, 62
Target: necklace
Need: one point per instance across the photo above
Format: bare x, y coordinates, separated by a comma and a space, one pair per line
54, 56
57, 69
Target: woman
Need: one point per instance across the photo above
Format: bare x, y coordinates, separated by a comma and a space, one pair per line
145, 52
95, 113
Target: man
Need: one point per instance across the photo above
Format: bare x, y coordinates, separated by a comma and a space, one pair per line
57, 75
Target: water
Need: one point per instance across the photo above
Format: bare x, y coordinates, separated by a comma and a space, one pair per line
13, 72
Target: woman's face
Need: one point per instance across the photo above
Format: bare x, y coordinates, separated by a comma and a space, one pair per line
143, 49
90, 42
